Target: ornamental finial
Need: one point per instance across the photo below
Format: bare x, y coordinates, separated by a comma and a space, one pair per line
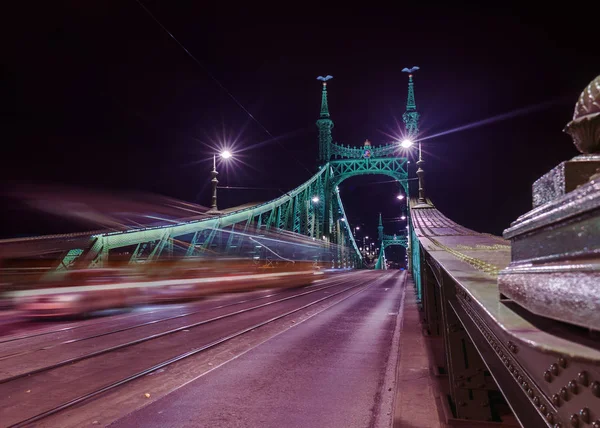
324, 104
585, 126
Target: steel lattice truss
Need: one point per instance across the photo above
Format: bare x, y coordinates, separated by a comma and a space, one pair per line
392, 167
386, 241
339, 151
313, 209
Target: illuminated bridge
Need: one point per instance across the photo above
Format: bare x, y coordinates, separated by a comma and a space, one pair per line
511, 322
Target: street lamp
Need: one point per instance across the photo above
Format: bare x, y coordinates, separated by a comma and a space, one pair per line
400, 197
315, 199
408, 143
225, 154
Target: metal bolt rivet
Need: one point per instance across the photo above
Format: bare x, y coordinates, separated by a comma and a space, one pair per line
550, 418
596, 424
595, 388
525, 385
556, 400
585, 415
536, 401
564, 394
583, 378
543, 408
572, 386
530, 393
520, 378
548, 376
554, 369
562, 362
574, 420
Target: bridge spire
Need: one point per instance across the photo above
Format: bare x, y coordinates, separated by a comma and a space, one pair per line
411, 122
411, 115
325, 124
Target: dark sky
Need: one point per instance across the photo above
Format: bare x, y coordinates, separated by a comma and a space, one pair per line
98, 95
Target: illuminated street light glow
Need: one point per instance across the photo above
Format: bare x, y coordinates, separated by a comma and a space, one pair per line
342, 219
403, 217
357, 227
315, 199
406, 143
400, 197
226, 154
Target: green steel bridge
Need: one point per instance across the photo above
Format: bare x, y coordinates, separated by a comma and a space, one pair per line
511, 321
313, 210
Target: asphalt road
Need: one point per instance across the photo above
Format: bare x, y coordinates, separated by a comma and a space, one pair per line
333, 369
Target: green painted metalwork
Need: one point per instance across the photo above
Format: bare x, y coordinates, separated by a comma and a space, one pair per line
386, 241
312, 209
70, 258
415, 258
411, 115
325, 125
392, 167
354, 258
339, 151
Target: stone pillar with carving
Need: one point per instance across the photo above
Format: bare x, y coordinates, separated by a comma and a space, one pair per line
555, 247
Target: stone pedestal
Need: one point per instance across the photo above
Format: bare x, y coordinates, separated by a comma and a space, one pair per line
555, 248
555, 258
564, 178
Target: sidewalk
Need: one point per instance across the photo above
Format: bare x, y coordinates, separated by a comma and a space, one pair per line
415, 405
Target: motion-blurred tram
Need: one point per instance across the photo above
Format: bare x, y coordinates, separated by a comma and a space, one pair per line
82, 292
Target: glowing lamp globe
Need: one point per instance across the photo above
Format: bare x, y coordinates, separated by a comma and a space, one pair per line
406, 143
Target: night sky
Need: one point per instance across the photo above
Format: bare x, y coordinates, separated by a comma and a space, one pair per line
97, 95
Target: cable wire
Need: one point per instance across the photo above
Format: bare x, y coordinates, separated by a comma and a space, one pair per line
214, 78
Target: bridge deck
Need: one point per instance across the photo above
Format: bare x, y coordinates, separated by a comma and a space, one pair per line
473, 260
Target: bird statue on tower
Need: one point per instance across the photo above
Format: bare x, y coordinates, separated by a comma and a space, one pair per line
410, 70
325, 79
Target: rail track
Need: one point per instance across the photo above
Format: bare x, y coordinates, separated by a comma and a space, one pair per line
53, 344
95, 373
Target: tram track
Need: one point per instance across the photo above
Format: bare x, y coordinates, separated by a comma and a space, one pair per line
12, 338
159, 335
152, 322
142, 371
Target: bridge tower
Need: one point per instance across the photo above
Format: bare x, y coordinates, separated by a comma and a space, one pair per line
411, 122
325, 124
411, 115
386, 241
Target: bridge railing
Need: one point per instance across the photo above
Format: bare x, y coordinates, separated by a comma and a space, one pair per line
519, 318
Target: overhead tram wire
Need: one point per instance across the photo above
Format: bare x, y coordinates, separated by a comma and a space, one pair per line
217, 81
250, 188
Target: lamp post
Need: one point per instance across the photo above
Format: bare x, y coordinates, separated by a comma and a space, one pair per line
225, 154
407, 143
